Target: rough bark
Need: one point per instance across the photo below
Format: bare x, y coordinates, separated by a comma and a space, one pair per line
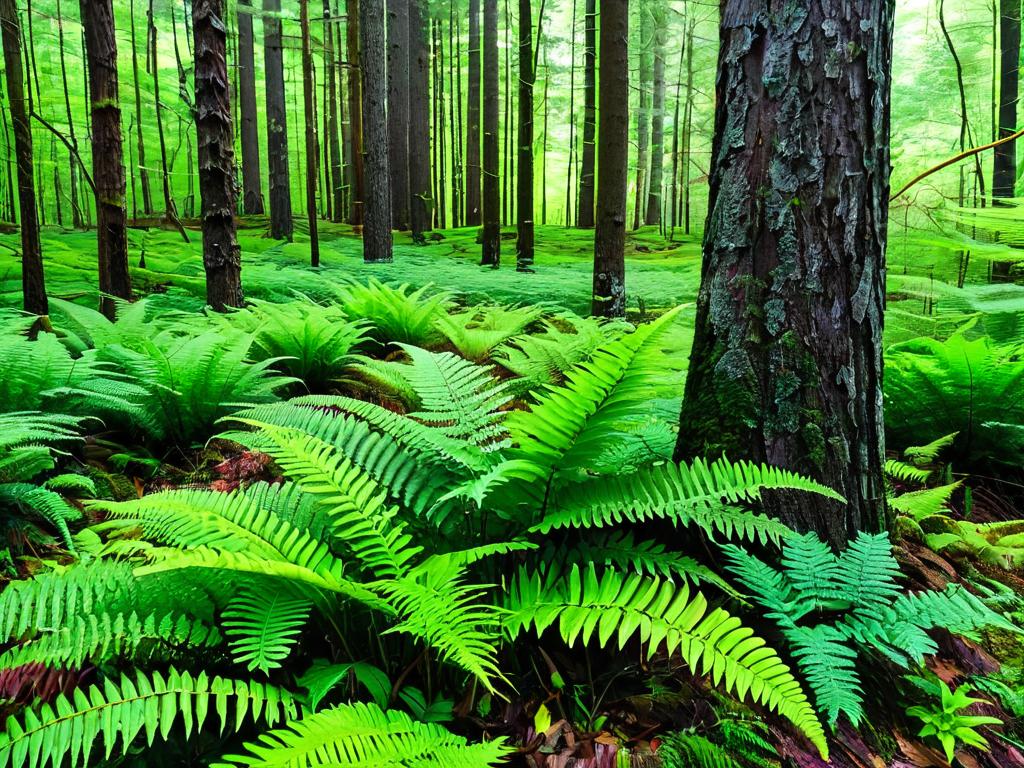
473, 205
309, 110
252, 192
1004, 158
421, 202
107, 153
277, 124
524, 179
585, 217
33, 284
609, 295
222, 258
491, 181
398, 110
355, 112
377, 207
786, 365
653, 214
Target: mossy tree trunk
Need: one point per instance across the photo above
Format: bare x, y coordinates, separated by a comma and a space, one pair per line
32, 282
222, 257
609, 294
107, 153
377, 203
786, 366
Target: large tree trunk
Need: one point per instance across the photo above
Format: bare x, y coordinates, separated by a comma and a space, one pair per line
309, 109
377, 208
786, 365
524, 179
398, 110
653, 215
1004, 161
222, 258
277, 124
32, 282
473, 207
609, 296
107, 152
355, 112
492, 181
252, 193
421, 202
585, 218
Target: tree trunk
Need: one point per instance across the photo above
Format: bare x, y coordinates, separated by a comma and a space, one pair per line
508, 161
609, 296
439, 134
585, 219
33, 285
147, 195
277, 124
786, 366
76, 210
1004, 161
309, 106
492, 183
421, 202
653, 215
571, 160
524, 179
398, 110
457, 124
222, 258
331, 117
170, 211
252, 193
107, 153
377, 210
473, 119
674, 216
355, 112
643, 114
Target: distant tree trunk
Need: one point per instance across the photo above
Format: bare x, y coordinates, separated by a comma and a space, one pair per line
653, 215
309, 106
398, 110
252, 192
355, 112
439, 135
507, 214
609, 296
107, 153
377, 211
544, 146
331, 116
473, 207
585, 219
457, 127
421, 202
492, 182
277, 124
222, 258
33, 284
147, 195
524, 179
688, 126
571, 161
1004, 161
786, 366
170, 211
643, 112
76, 210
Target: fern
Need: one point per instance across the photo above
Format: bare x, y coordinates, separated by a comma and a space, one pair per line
396, 313
477, 332
121, 709
829, 666
262, 625
925, 503
364, 734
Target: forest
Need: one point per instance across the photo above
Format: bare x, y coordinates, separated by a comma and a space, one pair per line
528, 383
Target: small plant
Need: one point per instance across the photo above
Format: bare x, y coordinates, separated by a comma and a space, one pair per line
948, 724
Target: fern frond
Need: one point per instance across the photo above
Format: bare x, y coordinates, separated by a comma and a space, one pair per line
829, 666
262, 626
692, 750
866, 573
925, 503
907, 473
52, 507
811, 568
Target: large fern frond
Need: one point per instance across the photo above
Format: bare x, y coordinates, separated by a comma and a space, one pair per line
262, 626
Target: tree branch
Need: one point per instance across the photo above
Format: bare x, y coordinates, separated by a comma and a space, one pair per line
71, 149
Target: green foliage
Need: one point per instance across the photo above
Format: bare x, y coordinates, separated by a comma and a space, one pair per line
475, 333
948, 724
733, 743
263, 625
397, 314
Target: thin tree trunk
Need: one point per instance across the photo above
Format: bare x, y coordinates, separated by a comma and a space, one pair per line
222, 258
688, 126
76, 210
277, 124
398, 110
609, 296
442, 155
585, 218
524, 179
9, 214
421, 202
491, 180
309, 101
653, 215
507, 214
459, 142
674, 217
355, 111
1004, 161
33, 284
377, 212
331, 115
143, 171
107, 153
786, 366
473, 207
544, 147
453, 143
643, 114
252, 192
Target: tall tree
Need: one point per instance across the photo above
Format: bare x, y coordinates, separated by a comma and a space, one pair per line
377, 204
473, 207
1004, 160
309, 109
77, 219
331, 118
355, 111
492, 181
33, 285
107, 153
143, 171
586, 203
398, 110
609, 294
653, 214
643, 112
786, 366
277, 123
421, 202
524, 179
252, 192
222, 257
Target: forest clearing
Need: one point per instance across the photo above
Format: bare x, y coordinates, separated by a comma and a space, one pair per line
528, 383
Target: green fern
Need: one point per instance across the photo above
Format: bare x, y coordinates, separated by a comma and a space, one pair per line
262, 626
475, 333
396, 314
